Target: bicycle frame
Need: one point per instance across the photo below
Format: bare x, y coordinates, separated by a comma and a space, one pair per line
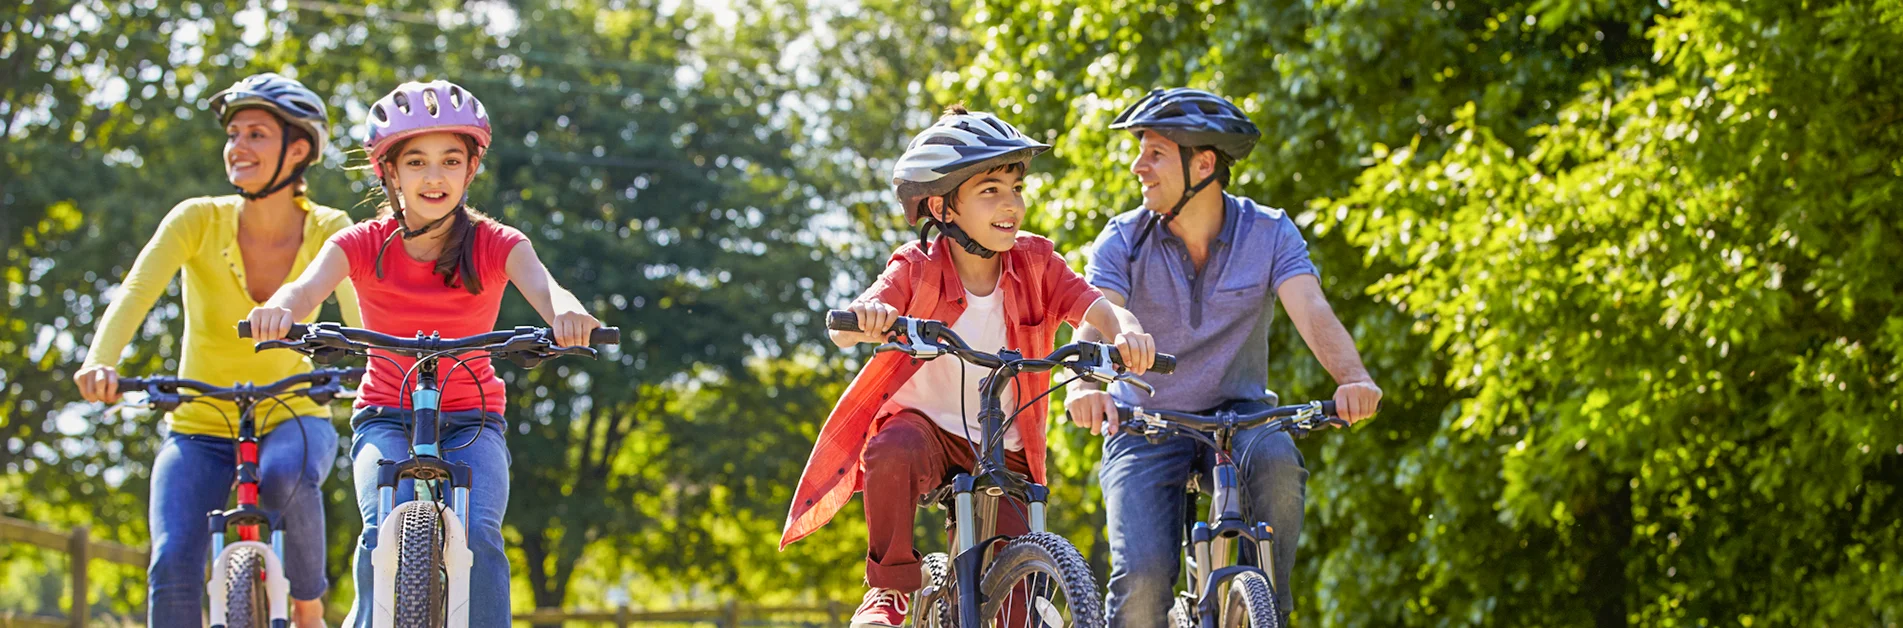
976, 496
1211, 542
424, 466
253, 523
526, 346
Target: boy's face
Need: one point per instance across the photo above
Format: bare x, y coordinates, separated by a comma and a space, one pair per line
990, 207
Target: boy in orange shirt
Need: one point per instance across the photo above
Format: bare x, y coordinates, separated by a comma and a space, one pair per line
901, 427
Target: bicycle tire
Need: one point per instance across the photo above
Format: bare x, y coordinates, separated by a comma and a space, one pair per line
421, 584
1251, 602
934, 601
1044, 559
1183, 613
247, 604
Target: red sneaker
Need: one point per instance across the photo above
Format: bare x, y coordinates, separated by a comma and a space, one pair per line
882, 608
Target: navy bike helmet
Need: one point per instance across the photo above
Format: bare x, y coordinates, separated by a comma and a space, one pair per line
292, 103
1192, 118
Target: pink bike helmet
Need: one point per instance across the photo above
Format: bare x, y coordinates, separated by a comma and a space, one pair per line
416, 108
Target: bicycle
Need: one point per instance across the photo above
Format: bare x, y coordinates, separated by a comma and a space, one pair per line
422, 566
1246, 590
237, 569
1036, 564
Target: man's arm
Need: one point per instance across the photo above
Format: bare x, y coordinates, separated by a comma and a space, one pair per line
1357, 397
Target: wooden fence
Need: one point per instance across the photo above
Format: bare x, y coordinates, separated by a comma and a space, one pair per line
82, 549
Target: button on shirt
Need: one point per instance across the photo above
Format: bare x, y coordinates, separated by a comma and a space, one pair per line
1216, 321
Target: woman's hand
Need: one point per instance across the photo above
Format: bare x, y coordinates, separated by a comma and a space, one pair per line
98, 383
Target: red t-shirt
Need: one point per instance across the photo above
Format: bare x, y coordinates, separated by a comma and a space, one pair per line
411, 298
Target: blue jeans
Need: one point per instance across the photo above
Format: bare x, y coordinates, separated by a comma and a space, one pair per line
383, 433
1145, 501
192, 476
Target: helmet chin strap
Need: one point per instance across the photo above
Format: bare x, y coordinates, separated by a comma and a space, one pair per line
1165, 218
275, 185
402, 225
953, 231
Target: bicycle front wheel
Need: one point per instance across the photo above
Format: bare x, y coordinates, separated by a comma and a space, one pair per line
246, 602
421, 583
933, 602
1251, 603
1040, 580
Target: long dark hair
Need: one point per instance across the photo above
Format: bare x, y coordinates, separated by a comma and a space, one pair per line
457, 264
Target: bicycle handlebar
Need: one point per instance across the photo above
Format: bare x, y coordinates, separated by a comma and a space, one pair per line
598, 336
941, 334
323, 385
1303, 417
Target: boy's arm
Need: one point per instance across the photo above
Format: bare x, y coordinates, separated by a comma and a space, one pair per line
875, 307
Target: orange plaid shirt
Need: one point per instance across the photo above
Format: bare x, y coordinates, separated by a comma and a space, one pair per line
1040, 292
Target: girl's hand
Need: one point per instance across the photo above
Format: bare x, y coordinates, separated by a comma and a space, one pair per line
572, 328
269, 322
98, 383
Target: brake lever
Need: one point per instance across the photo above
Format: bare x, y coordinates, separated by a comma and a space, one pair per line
1137, 382
919, 347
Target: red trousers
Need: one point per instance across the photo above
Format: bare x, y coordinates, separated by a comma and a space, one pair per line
908, 456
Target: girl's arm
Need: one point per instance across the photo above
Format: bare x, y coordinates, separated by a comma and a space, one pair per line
296, 300
556, 304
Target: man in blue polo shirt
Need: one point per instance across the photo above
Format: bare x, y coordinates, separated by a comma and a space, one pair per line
1202, 269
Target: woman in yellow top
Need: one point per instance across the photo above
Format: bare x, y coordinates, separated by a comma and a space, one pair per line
235, 251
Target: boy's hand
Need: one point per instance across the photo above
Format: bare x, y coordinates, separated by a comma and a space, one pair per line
572, 328
1138, 350
1091, 409
874, 319
98, 383
270, 322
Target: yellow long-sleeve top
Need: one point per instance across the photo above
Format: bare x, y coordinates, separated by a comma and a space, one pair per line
200, 236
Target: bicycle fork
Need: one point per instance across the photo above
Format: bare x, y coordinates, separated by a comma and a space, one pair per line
250, 520
423, 468
1213, 546
974, 533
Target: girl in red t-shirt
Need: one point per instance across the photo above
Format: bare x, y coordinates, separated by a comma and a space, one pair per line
444, 274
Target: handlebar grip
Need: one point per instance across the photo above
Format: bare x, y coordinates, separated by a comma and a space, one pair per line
1328, 408
605, 336
298, 330
842, 320
1165, 363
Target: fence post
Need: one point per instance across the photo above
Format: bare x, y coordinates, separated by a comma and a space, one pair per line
621, 617
733, 614
78, 557
832, 611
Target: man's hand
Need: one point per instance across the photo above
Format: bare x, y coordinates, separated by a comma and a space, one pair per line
1356, 401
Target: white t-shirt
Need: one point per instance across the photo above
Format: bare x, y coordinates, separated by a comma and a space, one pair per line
934, 390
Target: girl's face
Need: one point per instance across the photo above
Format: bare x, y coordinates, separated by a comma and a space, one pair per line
431, 171
254, 142
990, 208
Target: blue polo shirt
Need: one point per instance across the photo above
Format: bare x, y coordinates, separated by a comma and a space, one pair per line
1215, 322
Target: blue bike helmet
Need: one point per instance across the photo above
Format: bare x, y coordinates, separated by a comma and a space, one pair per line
1193, 119
292, 103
